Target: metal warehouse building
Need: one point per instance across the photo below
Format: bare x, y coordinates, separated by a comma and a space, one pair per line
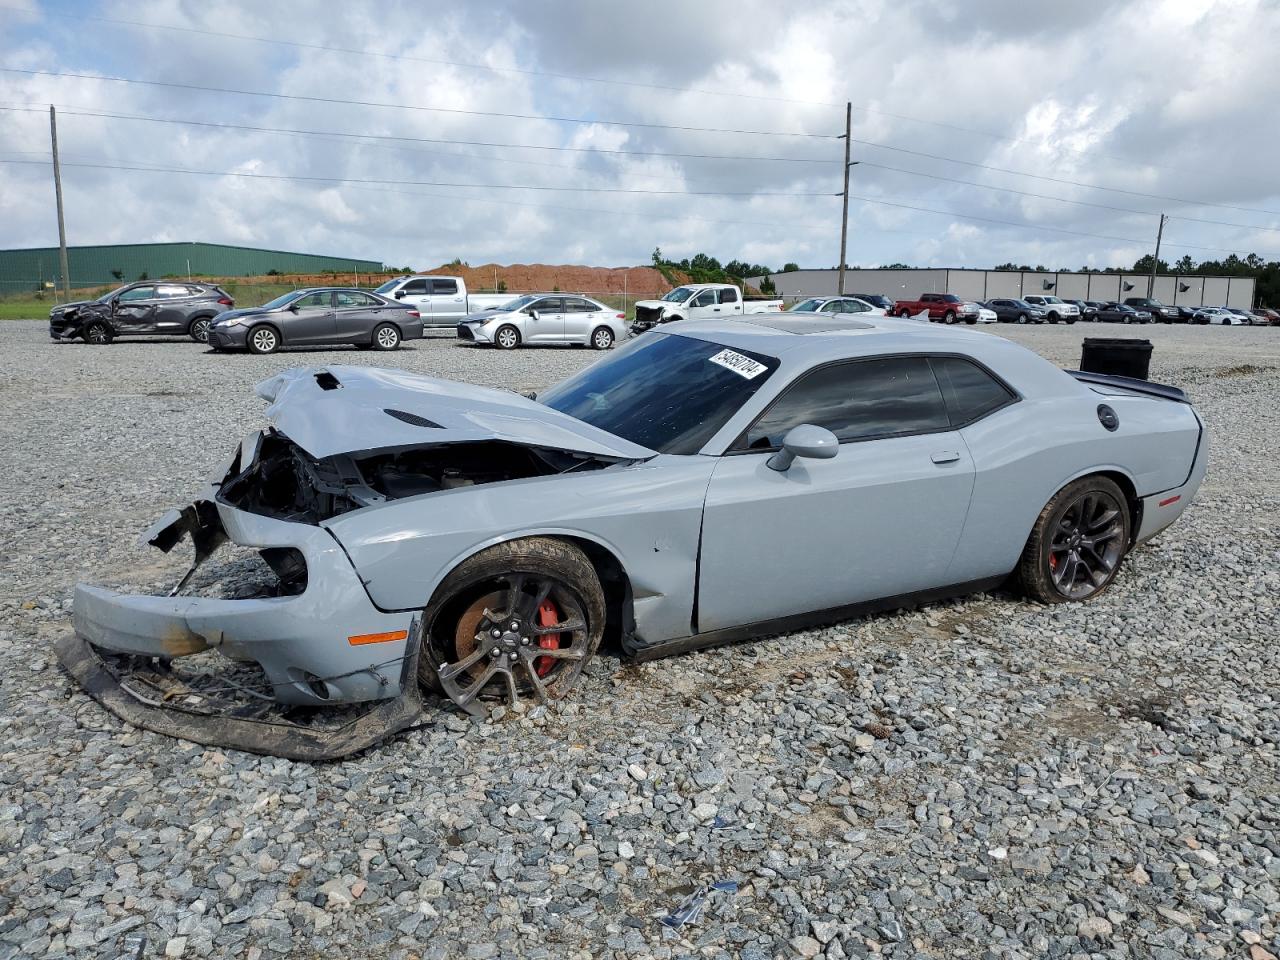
22, 270
1194, 291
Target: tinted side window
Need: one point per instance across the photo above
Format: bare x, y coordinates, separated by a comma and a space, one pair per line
858, 401
316, 301
705, 299
353, 299
578, 305
728, 294
444, 286
139, 293
546, 305
970, 391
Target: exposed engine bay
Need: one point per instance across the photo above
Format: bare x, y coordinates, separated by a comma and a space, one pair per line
287, 483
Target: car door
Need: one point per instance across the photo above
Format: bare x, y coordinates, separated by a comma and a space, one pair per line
173, 301
448, 303
548, 324
309, 319
355, 314
135, 309
580, 318
730, 302
705, 304
416, 293
880, 519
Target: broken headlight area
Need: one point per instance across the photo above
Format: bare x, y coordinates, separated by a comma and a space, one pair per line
287, 483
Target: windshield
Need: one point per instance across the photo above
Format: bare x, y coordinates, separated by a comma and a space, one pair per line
807, 306
664, 392
388, 286
1051, 300
678, 295
281, 300
519, 303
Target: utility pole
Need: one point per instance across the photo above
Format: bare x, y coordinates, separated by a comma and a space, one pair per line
844, 214
57, 189
1155, 261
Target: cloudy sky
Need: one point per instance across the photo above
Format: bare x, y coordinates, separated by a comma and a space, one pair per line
1167, 104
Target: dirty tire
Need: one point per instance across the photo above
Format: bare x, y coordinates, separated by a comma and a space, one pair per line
507, 337
386, 336
263, 339
545, 558
1036, 570
601, 338
199, 329
97, 333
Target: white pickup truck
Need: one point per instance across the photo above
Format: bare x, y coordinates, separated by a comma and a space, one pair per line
699, 301
442, 301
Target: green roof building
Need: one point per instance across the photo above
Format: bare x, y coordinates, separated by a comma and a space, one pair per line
31, 269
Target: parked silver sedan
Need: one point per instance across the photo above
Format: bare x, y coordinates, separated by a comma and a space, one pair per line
706, 483
538, 318
317, 316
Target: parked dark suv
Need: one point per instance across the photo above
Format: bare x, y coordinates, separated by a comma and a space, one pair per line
149, 307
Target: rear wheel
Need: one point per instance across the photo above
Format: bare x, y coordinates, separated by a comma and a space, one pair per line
1054, 318
263, 339
602, 338
905, 314
507, 337
517, 621
97, 332
1077, 543
199, 330
386, 336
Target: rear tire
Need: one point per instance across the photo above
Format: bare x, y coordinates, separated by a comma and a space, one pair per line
508, 579
199, 330
1078, 542
386, 336
601, 338
507, 337
904, 314
263, 339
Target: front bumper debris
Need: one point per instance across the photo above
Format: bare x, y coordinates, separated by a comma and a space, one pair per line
149, 694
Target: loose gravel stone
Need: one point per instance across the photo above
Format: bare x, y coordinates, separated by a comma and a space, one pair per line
980, 778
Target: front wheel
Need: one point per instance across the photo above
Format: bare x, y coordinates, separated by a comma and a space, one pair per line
1070, 321
386, 336
97, 333
263, 340
199, 330
1053, 318
602, 338
1023, 318
517, 621
949, 317
507, 337
1077, 543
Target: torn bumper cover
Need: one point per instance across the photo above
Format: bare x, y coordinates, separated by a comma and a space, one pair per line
323, 646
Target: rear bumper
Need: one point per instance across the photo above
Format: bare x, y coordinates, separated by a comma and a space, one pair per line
1161, 509
301, 642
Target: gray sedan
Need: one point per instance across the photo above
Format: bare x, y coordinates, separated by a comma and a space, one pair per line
711, 482
317, 316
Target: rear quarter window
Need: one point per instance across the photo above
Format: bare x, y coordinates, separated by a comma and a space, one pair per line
970, 391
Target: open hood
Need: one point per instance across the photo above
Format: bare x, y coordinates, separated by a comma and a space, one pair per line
352, 410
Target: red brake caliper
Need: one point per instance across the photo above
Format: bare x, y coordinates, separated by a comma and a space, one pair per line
548, 616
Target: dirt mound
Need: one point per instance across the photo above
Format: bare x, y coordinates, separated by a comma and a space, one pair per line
636, 282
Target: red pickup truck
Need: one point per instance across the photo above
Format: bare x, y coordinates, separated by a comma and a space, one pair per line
946, 307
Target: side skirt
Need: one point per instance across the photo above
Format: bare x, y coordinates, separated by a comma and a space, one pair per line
801, 621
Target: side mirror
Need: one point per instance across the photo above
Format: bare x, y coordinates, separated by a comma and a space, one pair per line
805, 440
399, 294
534, 315
293, 307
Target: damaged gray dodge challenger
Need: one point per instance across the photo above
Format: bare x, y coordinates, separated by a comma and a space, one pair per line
704, 484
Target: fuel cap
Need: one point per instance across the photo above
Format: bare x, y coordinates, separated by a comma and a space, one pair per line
1107, 417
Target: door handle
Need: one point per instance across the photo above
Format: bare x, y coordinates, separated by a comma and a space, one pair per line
945, 456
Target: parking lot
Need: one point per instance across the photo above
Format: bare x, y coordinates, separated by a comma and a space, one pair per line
984, 778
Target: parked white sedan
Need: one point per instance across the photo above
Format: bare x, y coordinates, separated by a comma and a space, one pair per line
546, 318
1217, 315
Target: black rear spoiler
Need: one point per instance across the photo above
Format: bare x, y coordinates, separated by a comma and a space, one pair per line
1162, 390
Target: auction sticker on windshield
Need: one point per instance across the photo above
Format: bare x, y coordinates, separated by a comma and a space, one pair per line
744, 366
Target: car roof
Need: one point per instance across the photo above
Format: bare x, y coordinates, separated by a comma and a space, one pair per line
801, 342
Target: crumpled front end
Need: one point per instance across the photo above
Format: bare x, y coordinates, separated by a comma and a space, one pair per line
240, 672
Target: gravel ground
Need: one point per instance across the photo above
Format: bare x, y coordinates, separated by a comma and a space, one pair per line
987, 778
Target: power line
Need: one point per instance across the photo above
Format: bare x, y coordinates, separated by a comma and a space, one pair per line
1073, 183
426, 183
410, 106
86, 112
415, 59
